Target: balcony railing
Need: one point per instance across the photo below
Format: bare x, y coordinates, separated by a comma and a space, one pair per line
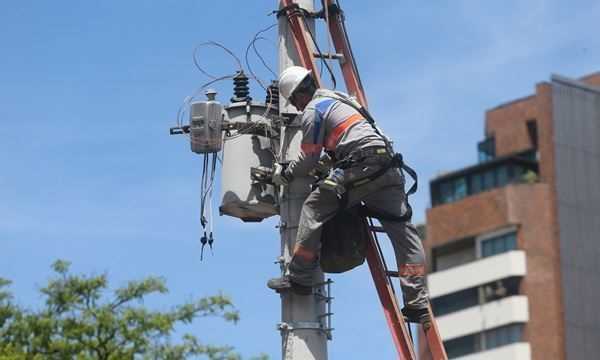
478, 319
476, 273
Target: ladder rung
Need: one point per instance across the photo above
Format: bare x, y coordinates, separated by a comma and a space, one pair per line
329, 56
377, 229
391, 273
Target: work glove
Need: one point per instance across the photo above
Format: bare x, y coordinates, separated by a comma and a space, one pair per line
279, 177
322, 168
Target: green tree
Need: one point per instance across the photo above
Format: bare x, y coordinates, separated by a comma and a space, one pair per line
80, 320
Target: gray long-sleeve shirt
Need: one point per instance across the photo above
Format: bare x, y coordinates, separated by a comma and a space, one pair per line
331, 124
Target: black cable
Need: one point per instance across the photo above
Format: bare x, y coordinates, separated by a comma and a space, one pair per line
213, 43
213, 171
253, 45
252, 73
354, 64
260, 57
333, 80
203, 183
256, 37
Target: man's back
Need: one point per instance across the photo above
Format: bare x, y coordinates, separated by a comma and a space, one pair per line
345, 129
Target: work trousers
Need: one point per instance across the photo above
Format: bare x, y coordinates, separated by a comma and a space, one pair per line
384, 194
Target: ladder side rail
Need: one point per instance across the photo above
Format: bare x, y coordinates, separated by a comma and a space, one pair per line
434, 340
342, 46
353, 84
389, 302
301, 43
395, 320
400, 335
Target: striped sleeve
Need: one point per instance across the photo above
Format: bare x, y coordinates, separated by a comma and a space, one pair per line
313, 133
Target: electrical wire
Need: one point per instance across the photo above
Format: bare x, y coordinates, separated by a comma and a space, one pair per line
349, 45
214, 79
210, 160
333, 80
262, 60
188, 99
207, 182
216, 44
252, 73
252, 44
209, 166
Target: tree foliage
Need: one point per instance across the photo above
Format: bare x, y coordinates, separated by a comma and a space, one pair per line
81, 320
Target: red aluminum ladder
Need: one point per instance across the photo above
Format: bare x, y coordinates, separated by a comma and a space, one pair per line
381, 275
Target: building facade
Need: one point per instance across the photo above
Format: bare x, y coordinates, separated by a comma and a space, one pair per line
513, 242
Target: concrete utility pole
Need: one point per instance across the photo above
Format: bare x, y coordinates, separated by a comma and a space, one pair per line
303, 327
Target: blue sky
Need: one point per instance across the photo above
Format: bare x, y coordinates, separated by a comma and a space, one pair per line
89, 173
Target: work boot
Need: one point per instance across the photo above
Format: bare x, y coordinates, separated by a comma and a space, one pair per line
418, 316
284, 284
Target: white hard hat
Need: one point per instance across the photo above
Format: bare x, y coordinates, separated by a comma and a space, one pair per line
290, 78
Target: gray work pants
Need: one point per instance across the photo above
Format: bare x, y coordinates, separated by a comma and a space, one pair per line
384, 194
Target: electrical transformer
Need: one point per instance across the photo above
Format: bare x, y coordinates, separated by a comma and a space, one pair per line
206, 119
243, 196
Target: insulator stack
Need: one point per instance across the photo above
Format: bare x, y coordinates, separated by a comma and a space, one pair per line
241, 90
272, 99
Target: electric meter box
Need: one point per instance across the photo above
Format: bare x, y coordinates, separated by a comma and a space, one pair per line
243, 197
206, 121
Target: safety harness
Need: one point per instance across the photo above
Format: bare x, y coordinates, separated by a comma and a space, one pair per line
357, 157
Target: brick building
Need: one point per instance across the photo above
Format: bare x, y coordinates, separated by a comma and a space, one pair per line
513, 242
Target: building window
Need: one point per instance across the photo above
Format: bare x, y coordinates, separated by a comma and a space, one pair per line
502, 176
462, 346
483, 177
500, 289
489, 179
486, 149
503, 335
485, 340
453, 190
456, 253
456, 301
476, 296
498, 244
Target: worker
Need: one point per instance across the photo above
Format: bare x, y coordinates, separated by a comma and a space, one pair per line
333, 122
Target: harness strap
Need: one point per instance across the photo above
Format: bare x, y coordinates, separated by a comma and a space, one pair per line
395, 162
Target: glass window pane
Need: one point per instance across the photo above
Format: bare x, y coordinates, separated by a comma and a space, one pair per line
498, 246
490, 340
502, 176
488, 180
515, 334
500, 335
503, 335
460, 188
461, 346
486, 249
518, 172
456, 301
502, 241
446, 193
511, 241
475, 183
